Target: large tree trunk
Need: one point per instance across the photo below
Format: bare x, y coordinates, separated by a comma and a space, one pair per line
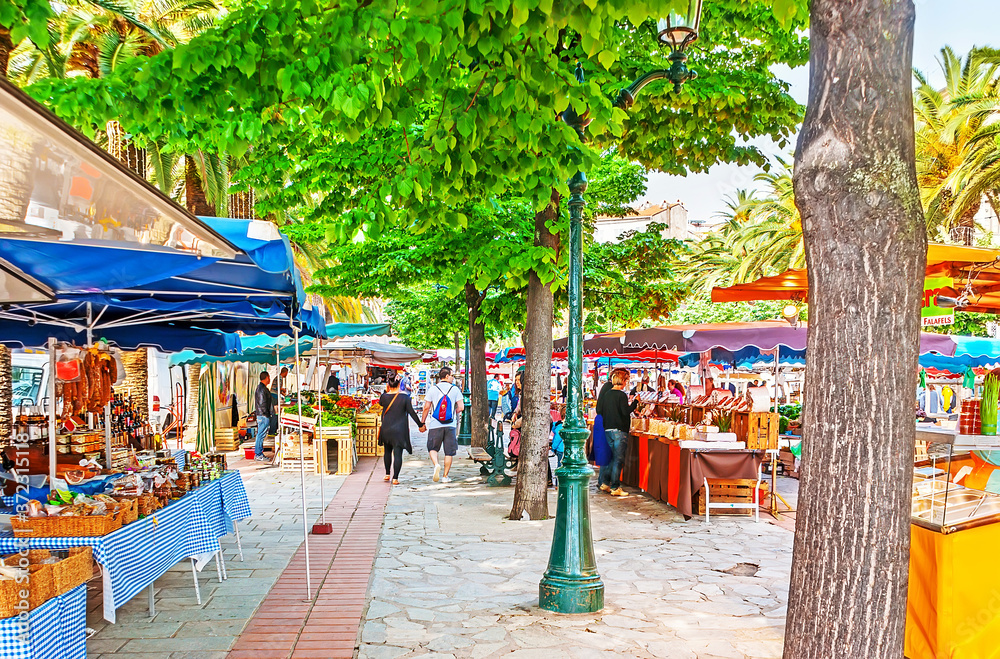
531, 491
856, 188
477, 366
194, 191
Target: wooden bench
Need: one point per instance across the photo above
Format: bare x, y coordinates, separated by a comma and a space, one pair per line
479, 455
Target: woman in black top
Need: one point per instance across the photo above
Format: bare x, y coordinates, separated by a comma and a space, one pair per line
615, 409
394, 434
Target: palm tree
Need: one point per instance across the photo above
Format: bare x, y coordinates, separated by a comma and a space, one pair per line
96, 38
760, 236
956, 152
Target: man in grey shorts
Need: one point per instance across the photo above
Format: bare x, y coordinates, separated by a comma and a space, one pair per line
441, 433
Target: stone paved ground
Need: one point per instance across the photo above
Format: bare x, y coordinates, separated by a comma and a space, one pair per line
454, 579
181, 628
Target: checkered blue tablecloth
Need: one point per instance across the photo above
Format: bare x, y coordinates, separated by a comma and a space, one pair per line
135, 555
55, 630
180, 456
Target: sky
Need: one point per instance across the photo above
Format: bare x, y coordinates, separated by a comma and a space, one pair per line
939, 23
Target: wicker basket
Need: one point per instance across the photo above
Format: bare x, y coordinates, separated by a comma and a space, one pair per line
77, 568
67, 527
130, 506
40, 587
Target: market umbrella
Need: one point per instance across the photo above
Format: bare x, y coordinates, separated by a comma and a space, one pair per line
977, 268
764, 335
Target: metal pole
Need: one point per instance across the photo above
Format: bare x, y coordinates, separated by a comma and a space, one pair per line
302, 464
52, 412
322, 471
465, 430
571, 583
107, 433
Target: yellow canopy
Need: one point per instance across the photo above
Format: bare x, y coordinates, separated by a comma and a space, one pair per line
981, 264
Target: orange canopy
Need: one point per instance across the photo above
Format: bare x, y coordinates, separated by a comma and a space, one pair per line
980, 264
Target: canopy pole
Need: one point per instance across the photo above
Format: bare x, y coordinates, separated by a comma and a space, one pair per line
107, 434
322, 472
52, 413
302, 465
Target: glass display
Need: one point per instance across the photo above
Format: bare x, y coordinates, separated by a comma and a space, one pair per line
55, 185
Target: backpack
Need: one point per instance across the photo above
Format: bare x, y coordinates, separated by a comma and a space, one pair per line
445, 411
514, 445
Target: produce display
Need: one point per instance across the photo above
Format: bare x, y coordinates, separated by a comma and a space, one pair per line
988, 404
337, 410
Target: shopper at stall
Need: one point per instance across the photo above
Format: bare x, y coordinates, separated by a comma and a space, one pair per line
441, 418
616, 410
394, 433
264, 409
678, 390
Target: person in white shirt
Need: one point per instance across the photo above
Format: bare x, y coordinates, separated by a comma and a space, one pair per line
442, 433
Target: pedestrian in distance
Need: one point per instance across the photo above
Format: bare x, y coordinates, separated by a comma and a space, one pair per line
264, 409
616, 410
442, 405
493, 389
394, 433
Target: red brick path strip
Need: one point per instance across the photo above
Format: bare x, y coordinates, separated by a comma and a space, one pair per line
285, 625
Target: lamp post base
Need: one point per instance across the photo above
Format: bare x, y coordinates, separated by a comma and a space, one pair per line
571, 583
571, 595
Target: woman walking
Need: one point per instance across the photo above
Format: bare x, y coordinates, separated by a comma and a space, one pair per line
394, 434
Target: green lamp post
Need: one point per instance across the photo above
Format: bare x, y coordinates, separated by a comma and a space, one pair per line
571, 583
465, 427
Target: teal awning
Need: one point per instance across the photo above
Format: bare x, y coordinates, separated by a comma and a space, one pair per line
260, 349
338, 330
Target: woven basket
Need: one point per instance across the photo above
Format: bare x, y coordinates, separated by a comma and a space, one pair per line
77, 568
67, 527
130, 506
40, 587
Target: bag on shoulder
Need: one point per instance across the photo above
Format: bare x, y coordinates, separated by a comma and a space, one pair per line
514, 445
444, 412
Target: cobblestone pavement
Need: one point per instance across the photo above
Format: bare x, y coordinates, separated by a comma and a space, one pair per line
454, 579
183, 629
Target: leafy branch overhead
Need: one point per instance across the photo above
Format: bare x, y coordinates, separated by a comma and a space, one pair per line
377, 112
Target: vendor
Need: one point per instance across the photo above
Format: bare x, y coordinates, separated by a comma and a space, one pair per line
279, 383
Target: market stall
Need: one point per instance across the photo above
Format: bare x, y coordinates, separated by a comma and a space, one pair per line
133, 556
110, 257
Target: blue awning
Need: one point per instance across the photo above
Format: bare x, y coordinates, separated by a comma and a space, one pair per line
164, 338
257, 291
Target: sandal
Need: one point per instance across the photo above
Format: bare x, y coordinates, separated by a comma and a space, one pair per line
386, 479
395, 482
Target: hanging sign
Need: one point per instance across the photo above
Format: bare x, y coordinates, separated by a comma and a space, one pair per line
930, 313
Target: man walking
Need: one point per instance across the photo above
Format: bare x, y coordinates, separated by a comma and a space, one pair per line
263, 408
442, 404
493, 389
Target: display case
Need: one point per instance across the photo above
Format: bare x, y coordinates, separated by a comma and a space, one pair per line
943, 460
951, 602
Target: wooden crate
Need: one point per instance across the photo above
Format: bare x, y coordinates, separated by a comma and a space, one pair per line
762, 431
696, 415
367, 441
227, 439
346, 456
787, 459
737, 490
368, 420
